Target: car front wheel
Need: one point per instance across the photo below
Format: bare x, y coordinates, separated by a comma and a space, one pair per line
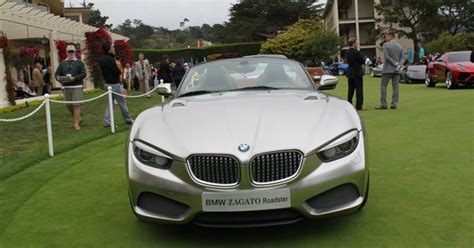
340, 72
450, 84
372, 73
428, 81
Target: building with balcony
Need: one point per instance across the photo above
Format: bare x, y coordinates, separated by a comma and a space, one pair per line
38, 24
357, 18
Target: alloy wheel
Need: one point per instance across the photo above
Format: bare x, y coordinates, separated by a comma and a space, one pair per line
449, 80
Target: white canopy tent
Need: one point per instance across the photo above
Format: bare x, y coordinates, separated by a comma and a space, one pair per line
18, 22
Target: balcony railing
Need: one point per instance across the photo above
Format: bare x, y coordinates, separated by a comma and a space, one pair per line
349, 14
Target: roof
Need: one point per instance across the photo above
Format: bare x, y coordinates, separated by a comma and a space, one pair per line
21, 22
85, 12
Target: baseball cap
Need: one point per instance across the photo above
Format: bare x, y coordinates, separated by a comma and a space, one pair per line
70, 48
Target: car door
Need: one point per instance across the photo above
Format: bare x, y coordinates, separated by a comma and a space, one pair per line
440, 68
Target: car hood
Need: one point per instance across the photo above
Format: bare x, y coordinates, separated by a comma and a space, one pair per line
468, 66
266, 121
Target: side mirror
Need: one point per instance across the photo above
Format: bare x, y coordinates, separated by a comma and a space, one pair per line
328, 82
164, 90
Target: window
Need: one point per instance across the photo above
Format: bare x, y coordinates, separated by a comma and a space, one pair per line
43, 7
76, 18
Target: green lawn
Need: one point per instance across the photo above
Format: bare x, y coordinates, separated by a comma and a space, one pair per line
422, 187
24, 143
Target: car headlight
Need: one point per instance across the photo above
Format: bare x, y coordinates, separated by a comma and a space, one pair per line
340, 147
150, 156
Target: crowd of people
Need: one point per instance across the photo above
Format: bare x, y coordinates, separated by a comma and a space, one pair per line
141, 76
33, 80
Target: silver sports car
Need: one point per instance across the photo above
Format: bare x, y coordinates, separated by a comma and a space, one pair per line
247, 142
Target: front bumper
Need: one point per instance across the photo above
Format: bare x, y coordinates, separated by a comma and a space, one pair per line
465, 78
319, 190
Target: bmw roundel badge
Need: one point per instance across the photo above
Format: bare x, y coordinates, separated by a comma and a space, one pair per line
244, 147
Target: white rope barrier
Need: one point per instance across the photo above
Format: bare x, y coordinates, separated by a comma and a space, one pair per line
79, 102
48, 100
137, 96
26, 116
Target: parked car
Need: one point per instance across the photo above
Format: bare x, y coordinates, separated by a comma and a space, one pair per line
376, 71
454, 68
337, 68
413, 74
229, 150
322, 81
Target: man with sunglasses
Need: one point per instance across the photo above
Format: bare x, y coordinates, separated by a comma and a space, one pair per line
71, 73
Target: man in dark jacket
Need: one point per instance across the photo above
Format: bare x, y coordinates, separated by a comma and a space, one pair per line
111, 75
355, 74
165, 70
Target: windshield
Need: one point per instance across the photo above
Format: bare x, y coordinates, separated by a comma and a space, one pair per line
459, 57
245, 74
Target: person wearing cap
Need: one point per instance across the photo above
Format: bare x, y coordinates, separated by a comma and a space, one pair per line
71, 73
111, 74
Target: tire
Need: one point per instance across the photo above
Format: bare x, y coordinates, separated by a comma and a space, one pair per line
372, 73
366, 195
428, 81
450, 82
408, 80
340, 72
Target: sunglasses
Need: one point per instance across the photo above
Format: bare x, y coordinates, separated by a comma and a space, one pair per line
70, 51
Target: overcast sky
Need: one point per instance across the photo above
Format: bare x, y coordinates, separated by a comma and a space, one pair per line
165, 13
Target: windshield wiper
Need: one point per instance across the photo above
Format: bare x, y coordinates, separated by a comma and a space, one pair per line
256, 88
198, 92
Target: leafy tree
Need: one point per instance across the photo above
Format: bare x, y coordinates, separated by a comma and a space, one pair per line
425, 19
323, 45
406, 17
447, 42
455, 16
306, 41
254, 19
136, 30
98, 20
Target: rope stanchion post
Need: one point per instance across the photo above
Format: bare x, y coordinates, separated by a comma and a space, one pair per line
111, 110
162, 97
48, 125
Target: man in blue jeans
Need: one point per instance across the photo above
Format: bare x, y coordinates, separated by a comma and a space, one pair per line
111, 75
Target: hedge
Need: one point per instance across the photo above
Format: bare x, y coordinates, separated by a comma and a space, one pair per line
155, 55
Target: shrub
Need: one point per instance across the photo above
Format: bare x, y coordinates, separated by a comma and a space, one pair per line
322, 45
94, 42
124, 51
305, 41
291, 42
447, 42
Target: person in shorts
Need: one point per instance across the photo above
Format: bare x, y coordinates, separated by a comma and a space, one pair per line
71, 73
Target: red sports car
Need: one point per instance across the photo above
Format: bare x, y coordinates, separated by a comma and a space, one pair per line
454, 68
